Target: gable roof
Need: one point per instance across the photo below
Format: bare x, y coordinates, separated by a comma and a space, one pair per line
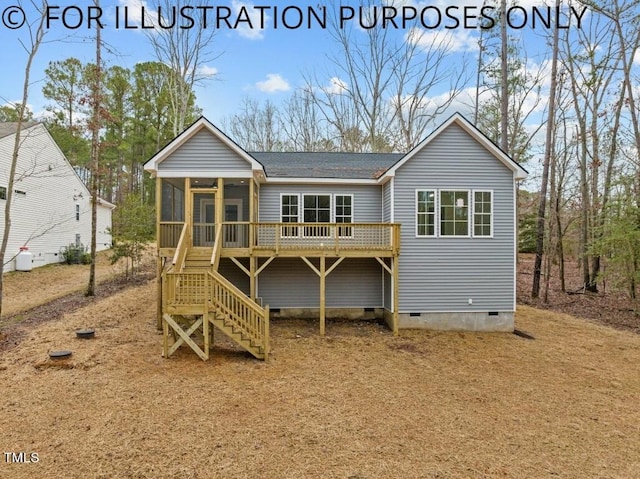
329, 165
10, 127
467, 126
200, 124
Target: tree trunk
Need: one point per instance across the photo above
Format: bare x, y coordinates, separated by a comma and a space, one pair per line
95, 154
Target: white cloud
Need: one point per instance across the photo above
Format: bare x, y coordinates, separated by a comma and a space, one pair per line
207, 71
274, 83
134, 9
336, 86
448, 40
254, 32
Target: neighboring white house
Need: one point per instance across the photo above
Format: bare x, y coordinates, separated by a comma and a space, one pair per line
51, 206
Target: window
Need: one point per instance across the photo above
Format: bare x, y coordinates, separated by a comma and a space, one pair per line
454, 213
3, 192
316, 209
77, 212
289, 214
426, 212
482, 213
344, 214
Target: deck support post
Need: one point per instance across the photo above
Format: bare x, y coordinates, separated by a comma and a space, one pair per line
323, 280
159, 270
396, 289
252, 278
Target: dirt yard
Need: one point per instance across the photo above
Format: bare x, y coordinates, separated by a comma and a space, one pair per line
358, 403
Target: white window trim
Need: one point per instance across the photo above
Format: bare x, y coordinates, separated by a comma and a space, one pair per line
469, 212
353, 215
435, 213
298, 216
490, 235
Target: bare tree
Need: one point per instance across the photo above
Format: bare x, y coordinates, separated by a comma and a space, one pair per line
255, 127
186, 51
379, 86
36, 34
94, 127
549, 153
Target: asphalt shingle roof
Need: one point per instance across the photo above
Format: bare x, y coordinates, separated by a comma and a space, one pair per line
325, 164
9, 128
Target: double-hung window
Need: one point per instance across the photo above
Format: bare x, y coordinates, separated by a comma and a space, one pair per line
482, 213
289, 214
344, 214
426, 212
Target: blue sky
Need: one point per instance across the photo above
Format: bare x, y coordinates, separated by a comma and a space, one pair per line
262, 64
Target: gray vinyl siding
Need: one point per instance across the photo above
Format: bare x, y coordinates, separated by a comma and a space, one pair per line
367, 199
290, 283
387, 289
204, 152
386, 202
442, 274
230, 270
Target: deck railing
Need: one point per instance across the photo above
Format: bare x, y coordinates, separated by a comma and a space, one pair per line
210, 291
288, 236
170, 233
247, 316
338, 236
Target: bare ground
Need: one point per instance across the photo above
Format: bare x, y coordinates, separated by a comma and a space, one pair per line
358, 403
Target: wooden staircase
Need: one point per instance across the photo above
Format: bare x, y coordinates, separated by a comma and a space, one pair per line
192, 287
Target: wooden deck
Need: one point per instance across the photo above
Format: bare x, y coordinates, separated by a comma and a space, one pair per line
194, 296
244, 239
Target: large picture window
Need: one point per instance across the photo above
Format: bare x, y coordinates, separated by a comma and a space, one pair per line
289, 214
426, 212
316, 209
482, 213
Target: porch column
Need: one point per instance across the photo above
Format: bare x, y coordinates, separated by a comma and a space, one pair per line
396, 295
188, 207
219, 202
159, 265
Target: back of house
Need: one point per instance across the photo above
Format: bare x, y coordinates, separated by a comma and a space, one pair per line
424, 239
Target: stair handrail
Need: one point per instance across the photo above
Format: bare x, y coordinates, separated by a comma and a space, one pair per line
257, 326
217, 248
182, 248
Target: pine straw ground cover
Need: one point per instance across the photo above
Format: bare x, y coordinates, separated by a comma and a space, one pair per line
358, 403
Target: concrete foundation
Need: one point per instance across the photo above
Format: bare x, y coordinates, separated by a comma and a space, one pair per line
330, 313
502, 321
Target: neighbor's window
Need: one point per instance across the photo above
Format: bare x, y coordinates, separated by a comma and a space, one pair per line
426, 212
316, 209
482, 213
3, 193
344, 214
289, 214
454, 213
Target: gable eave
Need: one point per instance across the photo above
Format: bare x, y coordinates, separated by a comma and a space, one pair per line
200, 124
519, 172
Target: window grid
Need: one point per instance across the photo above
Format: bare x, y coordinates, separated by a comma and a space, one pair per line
454, 213
426, 213
344, 214
316, 209
289, 214
482, 213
